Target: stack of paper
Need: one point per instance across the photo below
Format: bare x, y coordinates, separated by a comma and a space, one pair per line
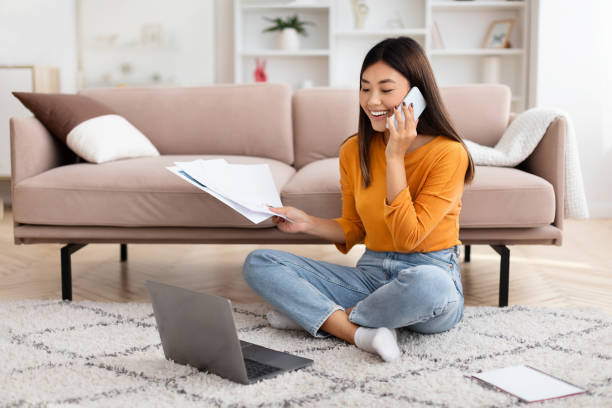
247, 188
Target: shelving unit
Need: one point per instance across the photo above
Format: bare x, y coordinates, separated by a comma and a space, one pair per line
312, 61
144, 43
333, 53
463, 26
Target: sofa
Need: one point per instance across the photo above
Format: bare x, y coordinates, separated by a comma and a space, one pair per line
58, 198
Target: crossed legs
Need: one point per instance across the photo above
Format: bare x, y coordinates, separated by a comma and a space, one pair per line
320, 296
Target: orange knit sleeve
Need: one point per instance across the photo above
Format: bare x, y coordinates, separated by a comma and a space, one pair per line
350, 221
410, 222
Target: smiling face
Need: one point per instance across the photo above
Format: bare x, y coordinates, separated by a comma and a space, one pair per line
382, 89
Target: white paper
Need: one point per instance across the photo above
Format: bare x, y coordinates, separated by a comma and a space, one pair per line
245, 188
250, 185
527, 383
253, 216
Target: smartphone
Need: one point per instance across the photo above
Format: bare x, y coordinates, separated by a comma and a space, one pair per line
416, 98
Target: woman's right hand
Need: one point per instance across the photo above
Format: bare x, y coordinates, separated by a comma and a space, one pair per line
302, 221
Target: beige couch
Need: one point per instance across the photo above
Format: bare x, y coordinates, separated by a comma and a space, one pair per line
59, 200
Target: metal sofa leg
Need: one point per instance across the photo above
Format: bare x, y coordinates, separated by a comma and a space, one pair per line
504, 273
466, 251
67, 269
123, 252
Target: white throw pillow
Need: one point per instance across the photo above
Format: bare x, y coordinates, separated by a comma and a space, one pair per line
107, 138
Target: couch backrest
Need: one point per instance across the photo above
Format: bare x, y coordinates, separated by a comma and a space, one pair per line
480, 112
242, 119
323, 117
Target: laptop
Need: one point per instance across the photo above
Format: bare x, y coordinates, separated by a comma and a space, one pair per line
198, 329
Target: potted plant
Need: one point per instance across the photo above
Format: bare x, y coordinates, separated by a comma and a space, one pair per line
288, 31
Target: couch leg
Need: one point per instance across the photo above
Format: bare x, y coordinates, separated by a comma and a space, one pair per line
123, 252
466, 251
504, 273
67, 269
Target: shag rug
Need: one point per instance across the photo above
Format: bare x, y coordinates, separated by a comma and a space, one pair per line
55, 353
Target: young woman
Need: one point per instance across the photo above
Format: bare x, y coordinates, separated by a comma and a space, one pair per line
401, 196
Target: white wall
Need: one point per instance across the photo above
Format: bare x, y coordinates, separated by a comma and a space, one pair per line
44, 32
574, 74
40, 32
186, 56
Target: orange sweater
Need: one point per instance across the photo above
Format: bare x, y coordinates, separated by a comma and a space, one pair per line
423, 217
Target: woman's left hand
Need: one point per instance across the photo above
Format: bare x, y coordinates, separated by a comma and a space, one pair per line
401, 138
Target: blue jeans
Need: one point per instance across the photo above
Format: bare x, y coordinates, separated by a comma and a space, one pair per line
419, 290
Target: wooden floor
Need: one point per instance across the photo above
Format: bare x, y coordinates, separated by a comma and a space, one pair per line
579, 273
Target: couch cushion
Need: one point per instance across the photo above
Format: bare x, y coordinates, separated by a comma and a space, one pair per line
130, 193
230, 119
315, 188
323, 117
507, 197
498, 197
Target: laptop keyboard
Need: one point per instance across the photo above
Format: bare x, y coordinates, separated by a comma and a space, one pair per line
257, 369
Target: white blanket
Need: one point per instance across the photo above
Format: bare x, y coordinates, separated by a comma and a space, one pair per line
521, 138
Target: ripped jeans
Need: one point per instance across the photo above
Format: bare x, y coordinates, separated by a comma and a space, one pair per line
419, 290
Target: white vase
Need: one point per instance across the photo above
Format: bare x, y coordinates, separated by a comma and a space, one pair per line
361, 11
288, 39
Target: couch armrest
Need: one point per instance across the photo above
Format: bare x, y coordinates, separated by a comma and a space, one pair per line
34, 150
511, 117
548, 162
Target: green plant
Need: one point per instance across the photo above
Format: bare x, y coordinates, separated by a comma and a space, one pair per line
290, 22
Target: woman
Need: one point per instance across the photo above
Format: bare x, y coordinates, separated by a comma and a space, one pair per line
401, 196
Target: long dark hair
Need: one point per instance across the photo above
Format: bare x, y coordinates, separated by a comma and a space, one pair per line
408, 58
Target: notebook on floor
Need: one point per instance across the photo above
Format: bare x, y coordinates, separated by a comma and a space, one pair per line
528, 383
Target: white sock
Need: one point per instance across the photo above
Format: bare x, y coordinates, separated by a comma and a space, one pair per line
381, 341
279, 320
394, 331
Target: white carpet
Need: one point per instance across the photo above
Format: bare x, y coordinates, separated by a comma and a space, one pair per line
109, 354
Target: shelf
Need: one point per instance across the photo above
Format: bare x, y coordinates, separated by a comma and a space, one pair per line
476, 51
385, 33
132, 48
266, 6
285, 53
474, 5
127, 84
